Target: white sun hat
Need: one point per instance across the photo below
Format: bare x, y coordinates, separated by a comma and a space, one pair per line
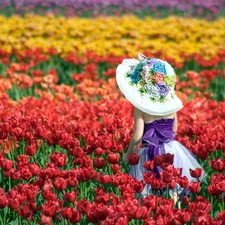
148, 84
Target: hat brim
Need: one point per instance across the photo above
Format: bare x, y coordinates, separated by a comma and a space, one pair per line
142, 101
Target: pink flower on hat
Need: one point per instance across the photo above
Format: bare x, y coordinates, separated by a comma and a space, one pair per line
158, 77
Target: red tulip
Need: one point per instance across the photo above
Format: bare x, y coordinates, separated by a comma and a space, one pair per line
34, 168
49, 173
49, 195
133, 159
70, 196
142, 213
217, 164
115, 168
217, 177
3, 134
99, 163
122, 220
221, 216
157, 184
167, 158
82, 205
77, 152
76, 217
182, 181
18, 132
59, 183
58, 158
25, 173
15, 174
96, 212
148, 177
13, 203
158, 160
99, 151
3, 201
30, 191
86, 161
113, 158
40, 132
46, 219
72, 181
151, 201
165, 209
172, 184
32, 205
150, 222
182, 216
138, 186
67, 212
200, 207
31, 149
177, 172
149, 165
167, 177
196, 173
104, 179
49, 208
25, 211
107, 144
6, 164
194, 187
22, 160
216, 189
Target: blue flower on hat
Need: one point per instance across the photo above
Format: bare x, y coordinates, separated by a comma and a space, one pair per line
160, 68
134, 76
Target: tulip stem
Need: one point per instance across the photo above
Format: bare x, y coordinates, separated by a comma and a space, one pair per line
167, 191
1, 220
212, 206
222, 201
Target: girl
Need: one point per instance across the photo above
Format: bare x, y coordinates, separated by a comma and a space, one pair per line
149, 85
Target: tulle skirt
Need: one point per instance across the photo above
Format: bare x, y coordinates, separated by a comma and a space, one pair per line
183, 158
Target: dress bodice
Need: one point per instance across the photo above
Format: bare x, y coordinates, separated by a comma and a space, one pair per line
160, 129
165, 124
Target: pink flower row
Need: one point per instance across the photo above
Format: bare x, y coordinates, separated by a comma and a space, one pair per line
181, 5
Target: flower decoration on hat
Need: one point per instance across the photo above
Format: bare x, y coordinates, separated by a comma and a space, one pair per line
154, 77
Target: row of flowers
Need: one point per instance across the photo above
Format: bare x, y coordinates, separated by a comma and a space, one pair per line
90, 77
62, 161
173, 37
60, 152
72, 8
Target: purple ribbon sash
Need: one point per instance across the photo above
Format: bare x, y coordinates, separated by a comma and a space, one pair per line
154, 137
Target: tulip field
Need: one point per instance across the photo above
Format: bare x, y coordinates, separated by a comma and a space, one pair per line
65, 124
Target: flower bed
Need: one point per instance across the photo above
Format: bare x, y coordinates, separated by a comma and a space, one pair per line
64, 123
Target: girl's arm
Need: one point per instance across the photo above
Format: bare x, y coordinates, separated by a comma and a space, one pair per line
137, 134
175, 123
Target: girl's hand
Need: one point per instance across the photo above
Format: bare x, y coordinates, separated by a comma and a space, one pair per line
125, 158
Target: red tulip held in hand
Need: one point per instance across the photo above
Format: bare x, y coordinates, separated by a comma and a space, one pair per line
133, 159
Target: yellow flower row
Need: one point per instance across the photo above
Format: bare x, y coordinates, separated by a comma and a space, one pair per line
114, 35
